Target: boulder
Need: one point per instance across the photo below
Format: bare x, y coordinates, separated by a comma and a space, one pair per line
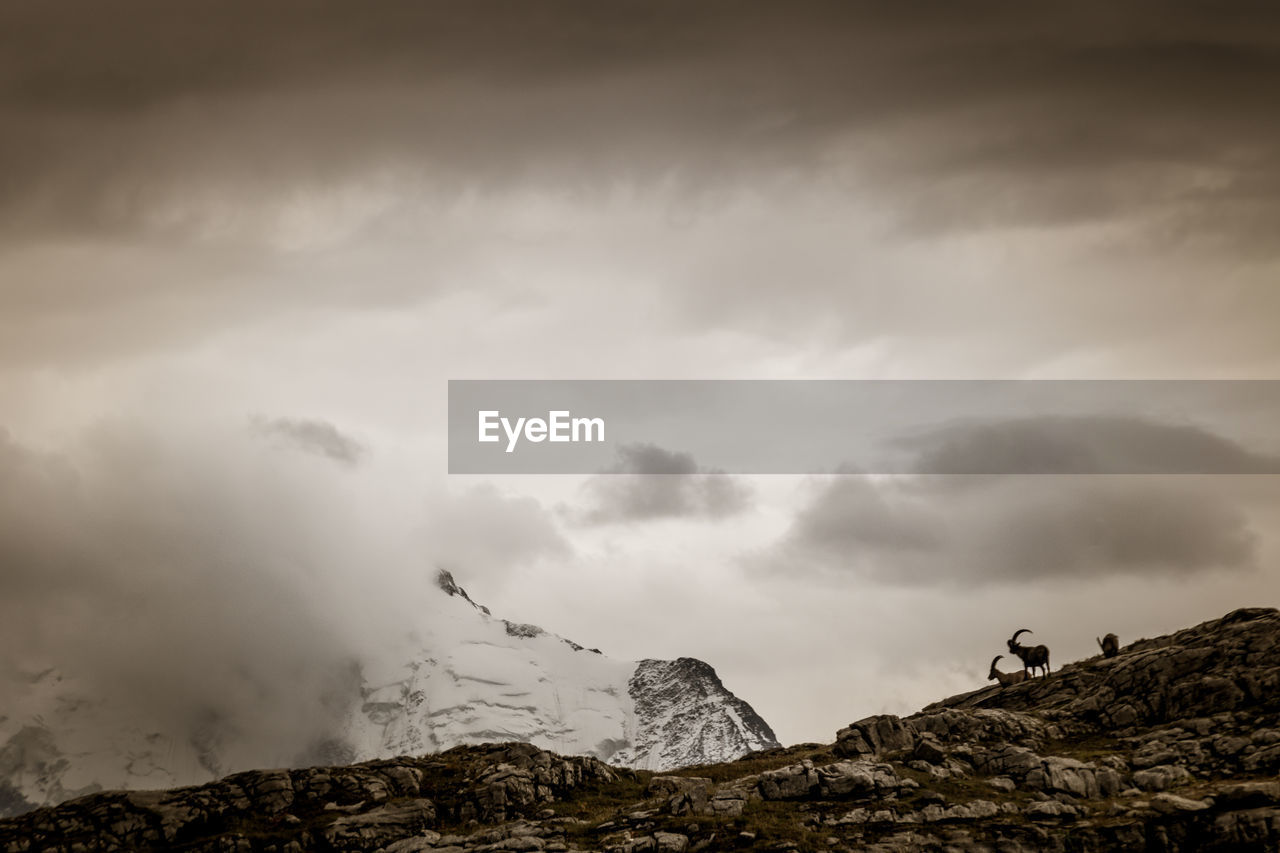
1162, 777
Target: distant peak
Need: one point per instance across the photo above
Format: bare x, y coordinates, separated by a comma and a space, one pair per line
521, 630
444, 580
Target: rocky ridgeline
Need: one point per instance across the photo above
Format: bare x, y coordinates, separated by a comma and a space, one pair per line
372, 806
1173, 745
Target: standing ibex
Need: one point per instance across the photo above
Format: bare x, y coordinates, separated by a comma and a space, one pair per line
1033, 657
1006, 678
1110, 645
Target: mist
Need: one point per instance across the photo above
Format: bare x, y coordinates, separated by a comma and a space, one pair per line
190, 580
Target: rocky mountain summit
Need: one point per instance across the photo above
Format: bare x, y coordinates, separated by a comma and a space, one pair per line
682, 709
480, 679
1172, 745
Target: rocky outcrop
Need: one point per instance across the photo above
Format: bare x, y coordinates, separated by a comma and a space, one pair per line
362, 807
1129, 750
685, 715
1049, 765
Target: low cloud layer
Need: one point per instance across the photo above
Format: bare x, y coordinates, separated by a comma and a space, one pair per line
649, 483
207, 581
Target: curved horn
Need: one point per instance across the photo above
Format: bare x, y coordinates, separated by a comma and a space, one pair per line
997, 658
1014, 638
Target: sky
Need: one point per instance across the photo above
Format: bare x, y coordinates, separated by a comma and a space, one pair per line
243, 248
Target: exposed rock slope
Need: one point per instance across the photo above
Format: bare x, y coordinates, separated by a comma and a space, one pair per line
1171, 746
684, 716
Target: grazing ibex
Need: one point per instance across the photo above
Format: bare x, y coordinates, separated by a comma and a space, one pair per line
1006, 678
1110, 645
1033, 657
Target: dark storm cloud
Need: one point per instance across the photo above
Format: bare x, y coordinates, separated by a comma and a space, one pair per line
313, 436
159, 177
962, 529
969, 116
650, 483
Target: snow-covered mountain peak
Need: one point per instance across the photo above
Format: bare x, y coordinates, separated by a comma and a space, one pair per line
465, 677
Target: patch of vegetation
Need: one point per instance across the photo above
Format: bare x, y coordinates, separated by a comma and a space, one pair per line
619, 797
957, 789
759, 762
776, 825
1089, 748
770, 826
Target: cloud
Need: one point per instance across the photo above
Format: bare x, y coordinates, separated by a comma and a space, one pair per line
313, 436
1082, 445
1032, 115
483, 532
229, 207
163, 176
168, 580
962, 531
196, 580
952, 525
649, 483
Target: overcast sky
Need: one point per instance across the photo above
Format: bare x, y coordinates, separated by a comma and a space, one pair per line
243, 247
